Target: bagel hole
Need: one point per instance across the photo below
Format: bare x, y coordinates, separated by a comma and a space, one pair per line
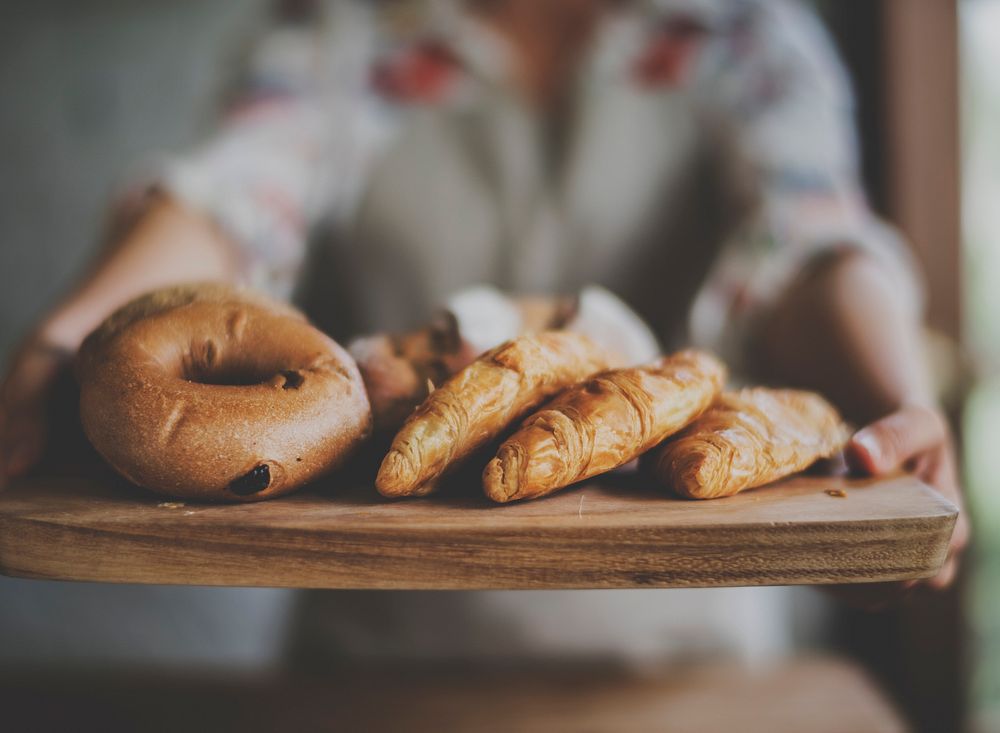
228, 377
206, 362
237, 373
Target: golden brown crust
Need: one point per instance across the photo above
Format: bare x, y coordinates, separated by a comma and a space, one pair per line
747, 439
603, 423
157, 301
480, 402
210, 393
400, 370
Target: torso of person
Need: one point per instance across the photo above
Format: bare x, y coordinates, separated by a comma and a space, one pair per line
630, 189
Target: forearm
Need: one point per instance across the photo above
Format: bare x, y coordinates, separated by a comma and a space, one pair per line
843, 330
167, 244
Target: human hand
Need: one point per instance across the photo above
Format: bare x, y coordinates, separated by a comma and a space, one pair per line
23, 391
917, 439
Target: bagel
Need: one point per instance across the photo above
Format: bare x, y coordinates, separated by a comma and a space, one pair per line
208, 392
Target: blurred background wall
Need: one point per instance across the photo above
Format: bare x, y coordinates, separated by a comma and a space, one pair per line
90, 88
980, 57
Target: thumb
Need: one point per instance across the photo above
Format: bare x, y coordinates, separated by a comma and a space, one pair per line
887, 444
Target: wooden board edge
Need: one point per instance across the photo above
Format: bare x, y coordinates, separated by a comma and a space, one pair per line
114, 557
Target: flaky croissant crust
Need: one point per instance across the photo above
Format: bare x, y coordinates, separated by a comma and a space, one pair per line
480, 402
747, 439
603, 423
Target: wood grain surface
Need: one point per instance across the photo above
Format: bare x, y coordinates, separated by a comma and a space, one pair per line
619, 533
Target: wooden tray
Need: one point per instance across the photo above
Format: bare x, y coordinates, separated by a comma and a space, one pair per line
620, 534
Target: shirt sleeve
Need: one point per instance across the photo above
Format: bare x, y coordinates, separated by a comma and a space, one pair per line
283, 152
773, 77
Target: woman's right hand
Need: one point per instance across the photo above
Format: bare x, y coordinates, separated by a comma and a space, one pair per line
23, 403
155, 243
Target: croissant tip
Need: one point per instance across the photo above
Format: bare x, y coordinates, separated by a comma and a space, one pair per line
394, 474
500, 477
694, 476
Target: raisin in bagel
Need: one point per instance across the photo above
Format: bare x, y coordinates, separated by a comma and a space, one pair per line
211, 393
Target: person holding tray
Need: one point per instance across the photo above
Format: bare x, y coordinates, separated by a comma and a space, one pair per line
694, 157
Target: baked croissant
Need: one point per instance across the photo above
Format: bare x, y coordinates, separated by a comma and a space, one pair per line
480, 402
606, 422
747, 439
399, 370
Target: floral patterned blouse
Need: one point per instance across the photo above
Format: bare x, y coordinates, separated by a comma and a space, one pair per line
709, 156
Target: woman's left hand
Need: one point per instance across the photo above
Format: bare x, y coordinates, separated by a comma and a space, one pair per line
917, 439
